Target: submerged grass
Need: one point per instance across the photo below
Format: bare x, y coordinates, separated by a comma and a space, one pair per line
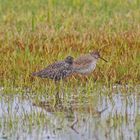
22, 115
36, 33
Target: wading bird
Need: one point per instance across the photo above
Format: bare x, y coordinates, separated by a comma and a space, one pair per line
87, 63
58, 70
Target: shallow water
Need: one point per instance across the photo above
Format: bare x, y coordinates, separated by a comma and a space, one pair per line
97, 116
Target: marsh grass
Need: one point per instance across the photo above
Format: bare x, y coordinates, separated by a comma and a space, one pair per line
34, 34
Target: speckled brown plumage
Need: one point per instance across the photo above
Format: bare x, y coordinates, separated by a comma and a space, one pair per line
58, 70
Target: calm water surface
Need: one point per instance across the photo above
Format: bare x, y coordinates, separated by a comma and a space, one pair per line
90, 117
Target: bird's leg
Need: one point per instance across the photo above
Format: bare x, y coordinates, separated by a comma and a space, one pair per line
56, 103
56, 99
63, 91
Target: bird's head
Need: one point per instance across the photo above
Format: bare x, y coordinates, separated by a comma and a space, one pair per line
96, 55
69, 59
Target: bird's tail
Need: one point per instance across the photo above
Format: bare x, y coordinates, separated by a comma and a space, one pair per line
39, 74
34, 74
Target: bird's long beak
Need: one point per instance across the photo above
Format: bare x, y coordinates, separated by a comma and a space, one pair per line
103, 59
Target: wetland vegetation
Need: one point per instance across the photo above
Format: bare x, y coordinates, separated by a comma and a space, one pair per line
36, 33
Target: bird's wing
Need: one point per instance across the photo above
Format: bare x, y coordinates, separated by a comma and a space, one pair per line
81, 62
56, 65
51, 69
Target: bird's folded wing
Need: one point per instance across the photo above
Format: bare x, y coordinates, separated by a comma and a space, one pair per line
55, 65
82, 62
